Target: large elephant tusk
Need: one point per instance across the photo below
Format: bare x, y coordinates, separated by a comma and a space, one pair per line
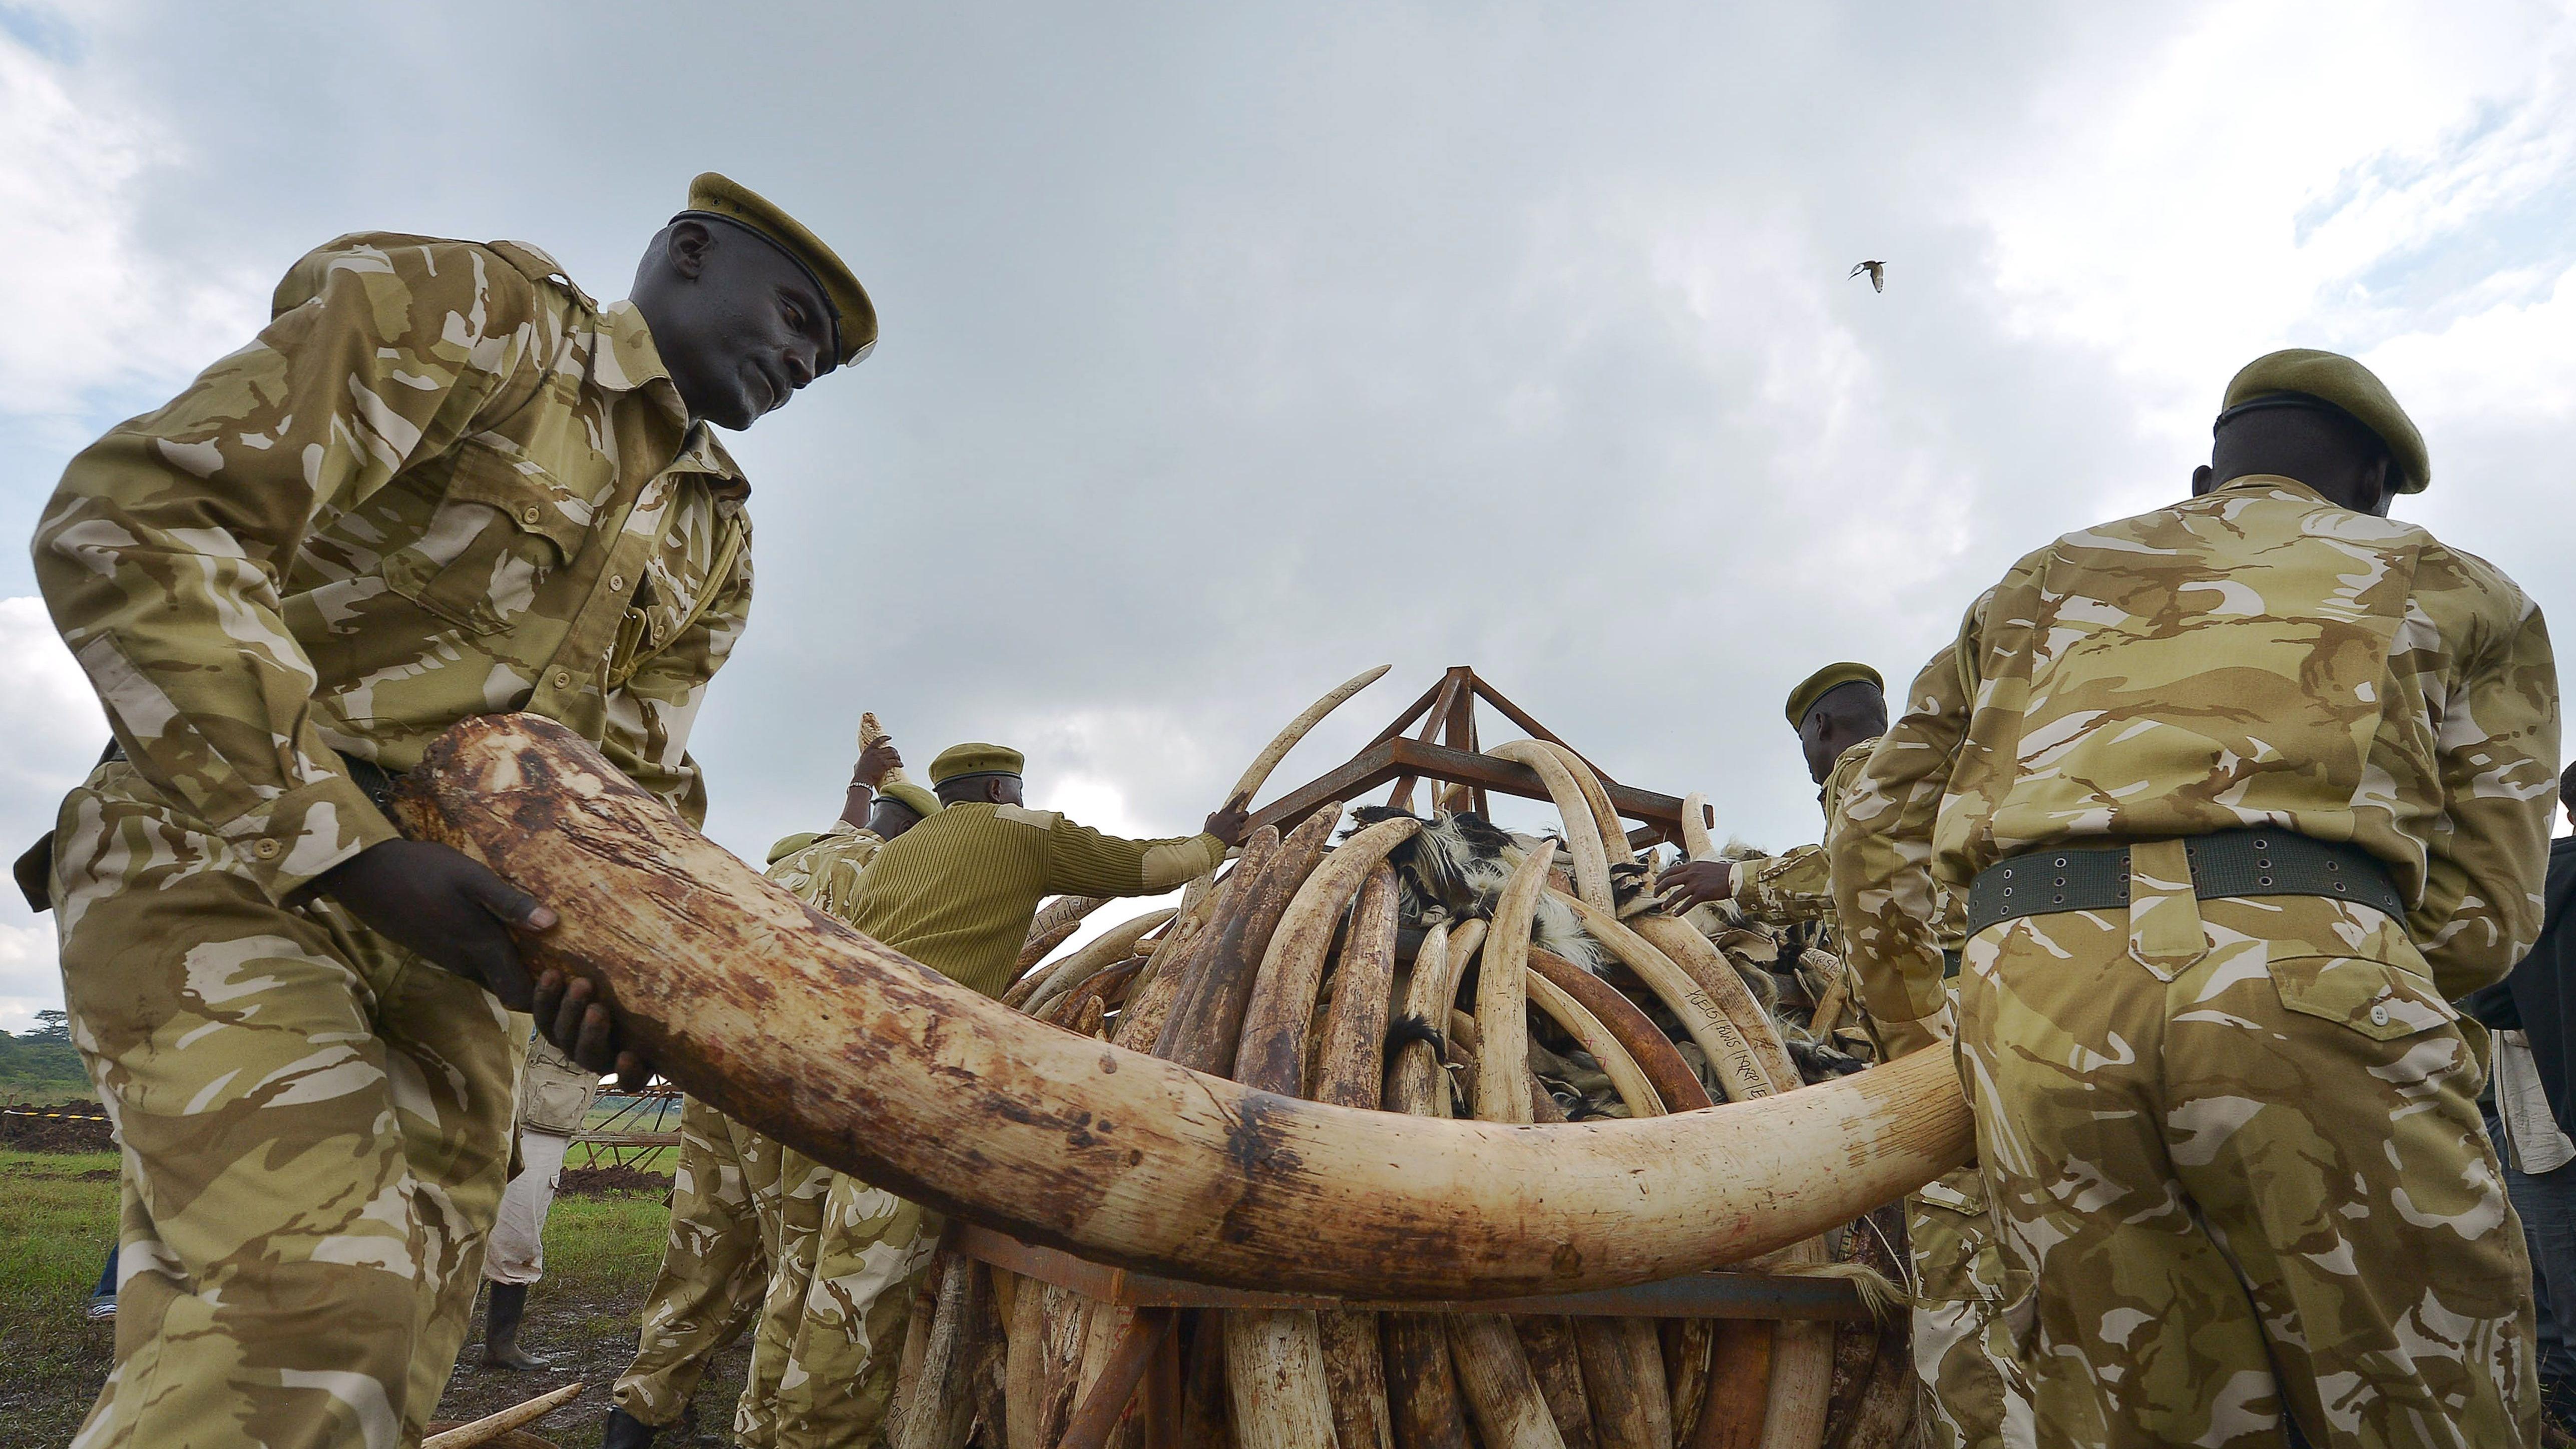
1696, 841
1583, 841
1502, 995
1614, 836
1257, 774
1097, 955
1271, 1054
798, 1027
1626, 1077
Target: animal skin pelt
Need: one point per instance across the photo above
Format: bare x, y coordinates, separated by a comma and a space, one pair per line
1454, 870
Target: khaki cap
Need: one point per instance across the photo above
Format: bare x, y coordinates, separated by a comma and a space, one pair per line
959, 760
1833, 676
911, 797
854, 317
2346, 387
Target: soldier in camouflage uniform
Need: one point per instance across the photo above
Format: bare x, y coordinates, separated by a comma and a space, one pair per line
958, 897
443, 481
1963, 1286
744, 1210
2268, 777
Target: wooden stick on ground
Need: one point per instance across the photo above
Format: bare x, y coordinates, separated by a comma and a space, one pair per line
493, 1426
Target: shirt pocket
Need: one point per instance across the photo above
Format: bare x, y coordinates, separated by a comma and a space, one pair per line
504, 526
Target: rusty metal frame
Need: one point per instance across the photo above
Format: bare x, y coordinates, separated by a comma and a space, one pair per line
1447, 711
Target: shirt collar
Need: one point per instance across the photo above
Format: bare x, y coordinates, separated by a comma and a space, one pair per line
2267, 483
626, 360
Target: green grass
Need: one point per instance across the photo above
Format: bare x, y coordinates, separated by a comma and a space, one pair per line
57, 1218
58, 1215
41, 1069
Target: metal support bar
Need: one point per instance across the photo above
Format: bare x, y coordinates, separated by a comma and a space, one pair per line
1691, 1295
1385, 761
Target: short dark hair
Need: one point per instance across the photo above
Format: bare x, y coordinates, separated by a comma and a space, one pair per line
971, 783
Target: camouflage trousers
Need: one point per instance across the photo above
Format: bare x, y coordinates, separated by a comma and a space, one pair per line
740, 1204
316, 1130
2235, 1144
869, 1263
1963, 1342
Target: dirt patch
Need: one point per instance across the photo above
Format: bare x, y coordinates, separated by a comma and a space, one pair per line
595, 1181
591, 1342
46, 1131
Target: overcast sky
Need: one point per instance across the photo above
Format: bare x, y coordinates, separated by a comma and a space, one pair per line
1231, 349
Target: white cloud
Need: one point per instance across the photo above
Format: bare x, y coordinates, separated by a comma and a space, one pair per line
1518, 337
90, 304
29, 979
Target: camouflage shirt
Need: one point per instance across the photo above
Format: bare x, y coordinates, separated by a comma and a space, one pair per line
2257, 656
442, 482
823, 870
1796, 886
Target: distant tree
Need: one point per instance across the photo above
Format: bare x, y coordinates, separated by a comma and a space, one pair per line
50, 1026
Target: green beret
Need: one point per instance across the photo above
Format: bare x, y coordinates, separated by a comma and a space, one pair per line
2348, 388
854, 317
1832, 676
790, 844
911, 797
959, 760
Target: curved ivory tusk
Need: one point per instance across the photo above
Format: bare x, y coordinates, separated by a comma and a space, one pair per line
1626, 1077
1502, 1000
1696, 841
1740, 1073
1614, 836
1676, 1085
1582, 836
1272, 1051
1097, 955
789, 1022
1257, 773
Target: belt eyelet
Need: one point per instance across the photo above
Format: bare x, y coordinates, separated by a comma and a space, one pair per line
2061, 900
2262, 880
2262, 863
2338, 885
2061, 862
2261, 844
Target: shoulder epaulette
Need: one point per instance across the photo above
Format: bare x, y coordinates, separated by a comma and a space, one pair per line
536, 266
1018, 815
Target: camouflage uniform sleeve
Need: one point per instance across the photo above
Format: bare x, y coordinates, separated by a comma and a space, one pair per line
1880, 842
1786, 889
1083, 862
2497, 751
650, 717
160, 552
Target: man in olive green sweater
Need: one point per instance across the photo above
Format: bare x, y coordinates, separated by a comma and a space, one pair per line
956, 893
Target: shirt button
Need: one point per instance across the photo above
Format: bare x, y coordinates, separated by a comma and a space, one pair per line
616, 582
266, 849
530, 514
2379, 1016
563, 679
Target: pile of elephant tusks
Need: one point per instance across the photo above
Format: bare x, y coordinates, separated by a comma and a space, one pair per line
1284, 974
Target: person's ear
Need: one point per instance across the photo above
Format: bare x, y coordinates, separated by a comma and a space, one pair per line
993, 790
688, 247
2203, 478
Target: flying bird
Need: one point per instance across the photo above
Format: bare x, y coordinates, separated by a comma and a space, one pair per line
1877, 274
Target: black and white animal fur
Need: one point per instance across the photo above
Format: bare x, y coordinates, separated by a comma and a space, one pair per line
1454, 870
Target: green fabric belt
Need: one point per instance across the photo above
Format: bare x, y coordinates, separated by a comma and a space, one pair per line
2258, 861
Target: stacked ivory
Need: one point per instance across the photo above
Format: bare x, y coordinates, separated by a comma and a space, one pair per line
786, 1020
1285, 974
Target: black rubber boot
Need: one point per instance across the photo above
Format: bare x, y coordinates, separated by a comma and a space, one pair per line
624, 1431
502, 1310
